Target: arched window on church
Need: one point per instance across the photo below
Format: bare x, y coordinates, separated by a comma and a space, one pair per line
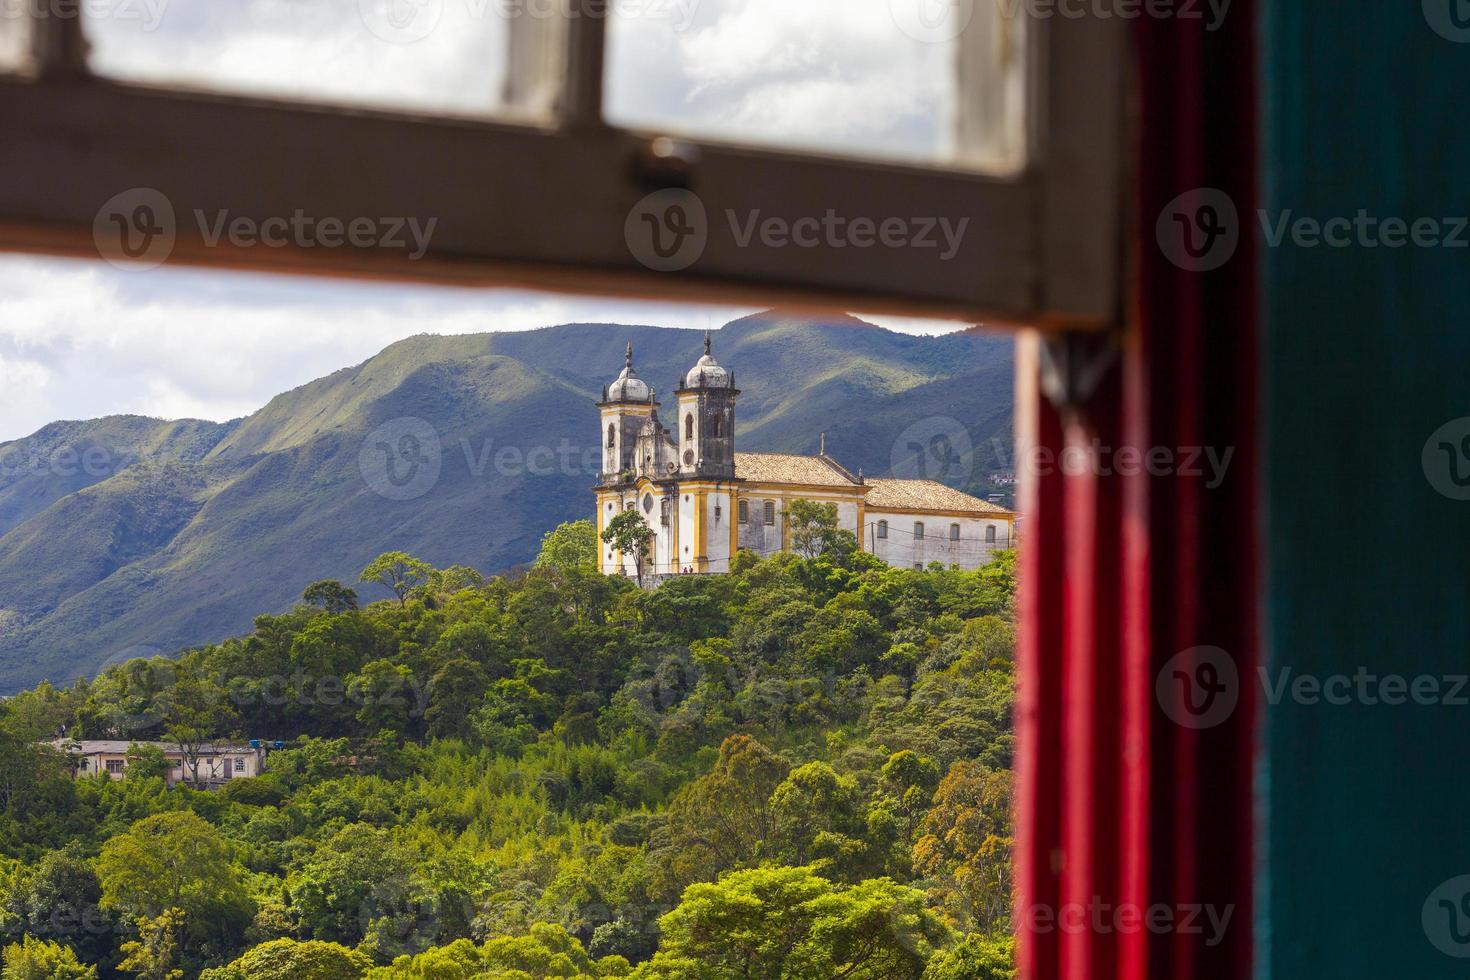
689, 426
954, 532
612, 436
714, 426
882, 529
918, 529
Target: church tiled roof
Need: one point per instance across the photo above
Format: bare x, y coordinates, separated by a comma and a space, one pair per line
815, 471
926, 495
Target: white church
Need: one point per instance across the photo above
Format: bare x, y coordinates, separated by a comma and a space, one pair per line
704, 501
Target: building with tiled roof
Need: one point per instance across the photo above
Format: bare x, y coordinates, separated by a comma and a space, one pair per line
703, 501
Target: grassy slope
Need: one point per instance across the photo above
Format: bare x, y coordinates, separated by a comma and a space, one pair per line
236, 519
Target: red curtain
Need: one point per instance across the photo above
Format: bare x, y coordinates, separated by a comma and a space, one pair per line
1121, 811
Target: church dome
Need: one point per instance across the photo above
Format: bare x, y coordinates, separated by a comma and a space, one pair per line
629, 387
706, 372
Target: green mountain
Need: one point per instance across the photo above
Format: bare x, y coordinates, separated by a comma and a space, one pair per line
124, 536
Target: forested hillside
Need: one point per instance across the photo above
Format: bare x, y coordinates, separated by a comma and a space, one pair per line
123, 537
797, 770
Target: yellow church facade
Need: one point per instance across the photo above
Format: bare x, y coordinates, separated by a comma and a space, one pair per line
703, 501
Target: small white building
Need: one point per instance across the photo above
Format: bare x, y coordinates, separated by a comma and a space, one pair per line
703, 501
216, 764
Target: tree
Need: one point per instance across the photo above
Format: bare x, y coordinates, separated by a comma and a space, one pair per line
570, 545
59, 899
174, 860
357, 876
154, 955
386, 693
400, 572
813, 527
977, 958
817, 817
39, 959
288, 959
24, 767
724, 818
146, 760
331, 595
966, 845
196, 710
456, 689
628, 533
791, 922
875, 930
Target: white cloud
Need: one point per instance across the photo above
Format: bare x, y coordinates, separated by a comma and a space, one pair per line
82, 339
820, 74
316, 49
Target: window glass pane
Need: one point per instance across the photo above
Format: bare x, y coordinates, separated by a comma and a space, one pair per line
14, 33
873, 78
439, 55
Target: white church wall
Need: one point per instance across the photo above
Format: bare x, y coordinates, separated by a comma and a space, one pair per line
903, 548
717, 520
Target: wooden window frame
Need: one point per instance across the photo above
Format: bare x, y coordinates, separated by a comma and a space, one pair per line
544, 205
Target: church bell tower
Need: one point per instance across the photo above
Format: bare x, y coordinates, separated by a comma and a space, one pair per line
706, 422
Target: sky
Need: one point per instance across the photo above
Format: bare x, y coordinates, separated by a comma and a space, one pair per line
82, 339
